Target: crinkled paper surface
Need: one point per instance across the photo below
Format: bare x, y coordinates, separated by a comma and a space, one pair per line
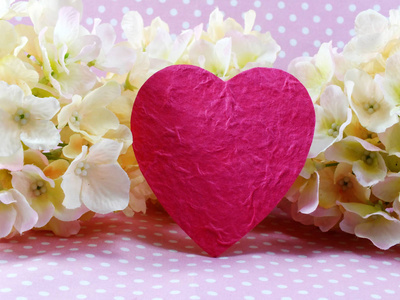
220, 155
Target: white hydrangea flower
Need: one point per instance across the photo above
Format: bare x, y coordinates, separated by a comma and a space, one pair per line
96, 180
90, 115
316, 72
332, 116
26, 119
66, 51
367, 163
367, 101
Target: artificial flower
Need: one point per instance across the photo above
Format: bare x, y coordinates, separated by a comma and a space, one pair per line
332, 116
26, 119
371, 222
390, 83
116, 58
16, 215
66, 51
89, 115
368, 164
367, 101
96, 180
316, 72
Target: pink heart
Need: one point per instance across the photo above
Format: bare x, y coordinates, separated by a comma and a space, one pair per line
220, 155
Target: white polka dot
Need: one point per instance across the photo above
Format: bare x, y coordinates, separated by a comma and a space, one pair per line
43, 293
185, 25
340, 20
48, 277
113, 22
317, 43
282, 286
292, 17
186, 1
89, 21
233, 3
101, 9
304, 5
377, 7
230, 289
328, 31
212, 293
328, 7
137, 293
84, 282
175, 292
293, 42
26, 283
149, 11
173, 12
80, 296
210, 2
157, 287
63, 288
266, 292
257, 4
281, 4
197, 13
281, 29
317, 19
352, 7
305, 30
339, 293
340, 44
269, 16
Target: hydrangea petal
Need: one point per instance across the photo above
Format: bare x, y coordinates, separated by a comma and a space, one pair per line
67, 26
389, 189
7, 218
368, 175
309, 197
14, 162
42, 108
40, 135
102, 195
9, 135
26, 217
132, 25
104, 152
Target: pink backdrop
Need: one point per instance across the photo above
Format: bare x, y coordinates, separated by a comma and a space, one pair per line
150, 257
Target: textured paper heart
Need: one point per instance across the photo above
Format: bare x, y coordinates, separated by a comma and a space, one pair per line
220, 155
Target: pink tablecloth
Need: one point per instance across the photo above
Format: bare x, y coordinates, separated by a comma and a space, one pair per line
150, 257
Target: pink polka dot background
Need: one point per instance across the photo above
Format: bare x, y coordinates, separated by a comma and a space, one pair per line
150, 257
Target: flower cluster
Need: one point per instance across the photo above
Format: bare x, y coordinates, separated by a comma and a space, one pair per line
351, 179
66, 95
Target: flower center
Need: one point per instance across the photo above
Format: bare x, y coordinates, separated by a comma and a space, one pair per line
82, 168
22, 116
371, 107
345, 183
75, 118
368, 157
334, 130
38, 188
